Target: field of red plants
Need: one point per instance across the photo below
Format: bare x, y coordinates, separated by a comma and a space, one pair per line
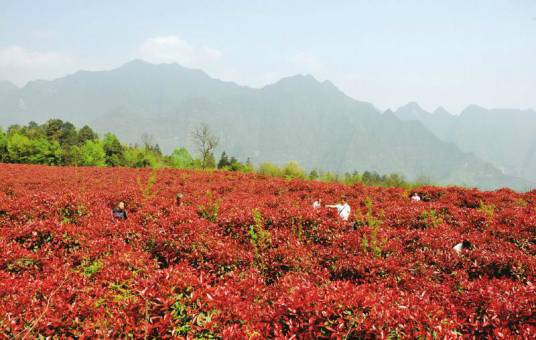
248, 257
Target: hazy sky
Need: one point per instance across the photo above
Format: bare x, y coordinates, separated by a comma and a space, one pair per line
450, 53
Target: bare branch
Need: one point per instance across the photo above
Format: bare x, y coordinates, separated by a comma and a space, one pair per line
205, 142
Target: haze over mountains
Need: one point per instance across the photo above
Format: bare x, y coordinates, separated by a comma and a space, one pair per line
297, 118
504, 137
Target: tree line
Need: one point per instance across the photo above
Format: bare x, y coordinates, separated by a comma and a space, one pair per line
56, 142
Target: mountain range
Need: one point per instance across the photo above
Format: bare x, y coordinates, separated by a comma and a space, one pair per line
504, 137
297, 118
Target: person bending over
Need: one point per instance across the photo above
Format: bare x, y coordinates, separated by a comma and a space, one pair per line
119, 211
343, 209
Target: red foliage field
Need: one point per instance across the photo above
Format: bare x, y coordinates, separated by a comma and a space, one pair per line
248, 257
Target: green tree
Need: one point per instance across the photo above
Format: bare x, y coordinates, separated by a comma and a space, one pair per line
313, 175
371, 178
352, 178
181, 159
53, 129
149, 143
3, 146
269, 169
69, 135
136, 157
113, 150
43, 151
19, 148
92, 153
33, 131
328, 177
13, 129
33, 125
152, 159
73, 155
85, 134
210, 162
224, 161
235, 165
395, 180
205, 142
68, 139
293, 170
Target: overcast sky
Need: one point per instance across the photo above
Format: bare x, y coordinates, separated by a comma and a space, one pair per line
450, 53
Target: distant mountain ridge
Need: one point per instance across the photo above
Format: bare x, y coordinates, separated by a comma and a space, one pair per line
296, 118
504, 137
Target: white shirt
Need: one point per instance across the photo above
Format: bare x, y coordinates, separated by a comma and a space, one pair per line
415, 198
317, 205
343, 210
458, 248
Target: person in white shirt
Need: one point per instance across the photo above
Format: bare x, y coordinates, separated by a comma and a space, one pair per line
178, 199
461, 246
317, 204
415, 197
343, 209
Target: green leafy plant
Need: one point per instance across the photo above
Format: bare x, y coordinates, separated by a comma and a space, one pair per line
22, 264
371, 243
121, 292
259, 236
210, 211
72, 214
90, 268
188, 321
521, 203
179, 313
431, 218
146, 188
367, 218
487, 209
297, 229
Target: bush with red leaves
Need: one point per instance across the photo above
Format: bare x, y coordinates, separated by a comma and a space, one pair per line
244, 256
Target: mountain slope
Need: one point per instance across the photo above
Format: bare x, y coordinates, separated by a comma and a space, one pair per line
297, 118
503, 137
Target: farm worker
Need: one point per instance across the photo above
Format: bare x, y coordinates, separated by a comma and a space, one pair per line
317, 204
461, 246
178, 199
415, 197
119, 211
343, 209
